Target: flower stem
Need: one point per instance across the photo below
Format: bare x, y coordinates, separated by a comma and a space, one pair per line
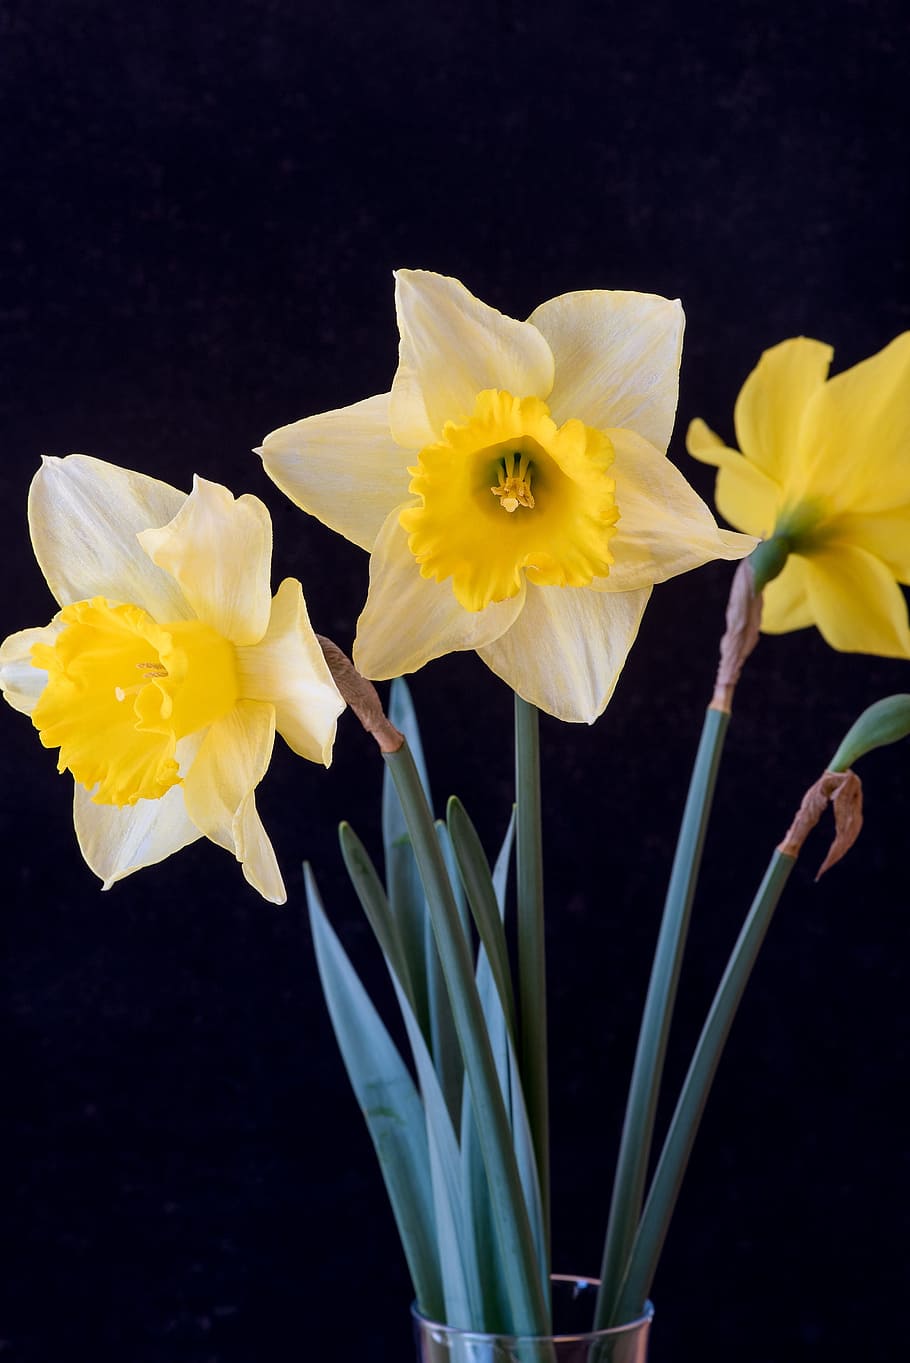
532, 969
683, 1128
641, 1105
523, 1276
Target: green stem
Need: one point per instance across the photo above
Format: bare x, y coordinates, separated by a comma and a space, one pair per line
641, 1105
532, 961
694, 1094
509, 1209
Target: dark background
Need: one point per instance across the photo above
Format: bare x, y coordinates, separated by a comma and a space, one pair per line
203, 205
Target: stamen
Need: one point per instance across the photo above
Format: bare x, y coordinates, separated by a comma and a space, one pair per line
514, 490
149, 671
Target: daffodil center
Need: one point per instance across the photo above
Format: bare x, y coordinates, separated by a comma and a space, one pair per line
511, 447
121, 692
514, 489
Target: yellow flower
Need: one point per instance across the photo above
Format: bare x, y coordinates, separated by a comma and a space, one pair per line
165, 674
511, 488
825, 469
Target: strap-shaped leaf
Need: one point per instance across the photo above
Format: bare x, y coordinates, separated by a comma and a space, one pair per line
390, 1104
521, 1267
372, 896
402, 878
475, 875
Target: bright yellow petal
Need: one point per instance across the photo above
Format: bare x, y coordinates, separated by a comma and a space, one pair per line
20, 681
117, 841
664, 527
343, 467
219, 550
567, 648
617, 359
287, 669
855, 446
886, 534
452, 348
232, 759
771, 406
785, 600
84, 516
745, 496
409, 619
857, 605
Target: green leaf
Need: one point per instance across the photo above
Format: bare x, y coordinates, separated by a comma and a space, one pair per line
474, 871
405, 891
520, 1266
372, 896
390, 1104
443, 1036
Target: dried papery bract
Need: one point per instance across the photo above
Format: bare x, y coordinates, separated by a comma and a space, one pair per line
843, 790
744, 609
361, 695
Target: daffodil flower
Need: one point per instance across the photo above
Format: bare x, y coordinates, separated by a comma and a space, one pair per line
165, 674
825, 471
512, 488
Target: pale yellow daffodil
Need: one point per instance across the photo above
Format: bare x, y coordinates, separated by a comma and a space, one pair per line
825, 471
163, 678
512, 488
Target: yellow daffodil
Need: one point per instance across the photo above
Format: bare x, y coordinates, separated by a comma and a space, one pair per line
168, 669
512, 488
825, 471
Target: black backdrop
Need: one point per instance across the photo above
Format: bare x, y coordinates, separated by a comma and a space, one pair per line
203, 205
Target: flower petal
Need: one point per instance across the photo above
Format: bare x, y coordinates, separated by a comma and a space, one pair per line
256, 853
664, 527
785, 600
567, 648
617, 359
886, 534
856, 603
772, 403
218, 787
287, 669
219, 550
745, 496
855, 445
21, 682
452, 348
84, 516
343, 467
409, 619
117, 841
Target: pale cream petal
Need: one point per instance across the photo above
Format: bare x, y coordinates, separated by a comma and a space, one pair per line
745, 496
567, 648
343, 467
617, 359
20, 682
256, 853
855, 446
452, 348
115, 842
664, 527
219, 549
84, 516
886, 534
287, 669
785, 600
856, 603
232, 759
772, 404
409, 619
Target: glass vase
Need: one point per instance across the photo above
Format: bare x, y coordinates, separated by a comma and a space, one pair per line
573, 1340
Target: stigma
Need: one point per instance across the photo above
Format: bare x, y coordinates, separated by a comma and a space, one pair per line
514, 489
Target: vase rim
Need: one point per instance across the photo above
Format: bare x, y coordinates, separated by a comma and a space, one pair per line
581, 1280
